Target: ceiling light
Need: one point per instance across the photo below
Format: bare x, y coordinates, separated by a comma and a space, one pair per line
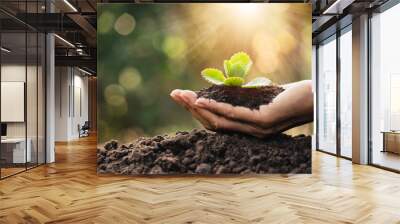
80, 51
65, 41
5, 50
84, 71
338, 6
70, 5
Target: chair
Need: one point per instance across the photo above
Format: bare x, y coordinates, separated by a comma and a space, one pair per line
84, 130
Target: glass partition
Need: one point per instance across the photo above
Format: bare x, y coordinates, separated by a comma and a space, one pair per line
14, 153
327, 95
22, 78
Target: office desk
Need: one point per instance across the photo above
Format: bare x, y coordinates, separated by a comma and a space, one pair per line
391, 141
13, 150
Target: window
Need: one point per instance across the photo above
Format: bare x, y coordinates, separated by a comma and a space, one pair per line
385, 88
327, 96
346, 93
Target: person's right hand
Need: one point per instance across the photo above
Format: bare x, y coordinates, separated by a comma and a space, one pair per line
292, 107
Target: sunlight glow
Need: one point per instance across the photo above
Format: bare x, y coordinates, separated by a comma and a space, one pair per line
249, 9
244, 14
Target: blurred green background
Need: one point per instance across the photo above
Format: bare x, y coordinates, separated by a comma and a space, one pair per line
147, 50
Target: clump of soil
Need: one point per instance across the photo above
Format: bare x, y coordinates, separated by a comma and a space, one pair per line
237, 96
204, 152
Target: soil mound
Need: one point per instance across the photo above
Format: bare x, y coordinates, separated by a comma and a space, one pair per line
205, 152
237, 96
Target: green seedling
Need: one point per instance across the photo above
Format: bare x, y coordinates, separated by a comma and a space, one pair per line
236, 69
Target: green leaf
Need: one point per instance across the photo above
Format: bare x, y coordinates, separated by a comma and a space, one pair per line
237, 70
257, 82
213, 76
227, 67
240, 57
238, 65
234, 81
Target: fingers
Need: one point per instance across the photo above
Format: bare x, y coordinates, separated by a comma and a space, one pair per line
186, 99
229, 111
211, 120
175, 96
189, 96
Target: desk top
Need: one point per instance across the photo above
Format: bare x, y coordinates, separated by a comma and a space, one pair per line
391, 132
13, 140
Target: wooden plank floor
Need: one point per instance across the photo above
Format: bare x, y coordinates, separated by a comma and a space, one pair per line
10, 171
70, 191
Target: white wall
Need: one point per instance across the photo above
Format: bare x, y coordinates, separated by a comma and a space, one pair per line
71, 102
16, 73
61, 103
80, 111
33, 127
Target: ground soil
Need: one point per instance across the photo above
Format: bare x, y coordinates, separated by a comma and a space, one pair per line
237, 96
205, 152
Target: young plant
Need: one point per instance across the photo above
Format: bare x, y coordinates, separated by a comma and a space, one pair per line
236, 69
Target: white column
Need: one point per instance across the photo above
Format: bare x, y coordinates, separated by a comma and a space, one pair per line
50, 100
360, 90
50, 92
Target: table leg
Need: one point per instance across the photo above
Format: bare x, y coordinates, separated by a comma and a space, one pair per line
384, 142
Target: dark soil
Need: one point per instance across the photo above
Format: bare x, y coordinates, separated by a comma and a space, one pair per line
237, 96
204, 152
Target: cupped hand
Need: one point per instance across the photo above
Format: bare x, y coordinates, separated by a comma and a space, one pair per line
292, 107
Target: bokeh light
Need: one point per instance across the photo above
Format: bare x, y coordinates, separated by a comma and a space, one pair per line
105, 23
174, 47
125, 24
130, 78
114, 95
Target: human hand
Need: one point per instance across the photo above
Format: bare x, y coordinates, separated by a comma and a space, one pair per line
291, 108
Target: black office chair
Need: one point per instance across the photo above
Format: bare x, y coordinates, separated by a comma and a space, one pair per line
84, 130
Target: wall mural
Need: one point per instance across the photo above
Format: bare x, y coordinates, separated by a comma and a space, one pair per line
204, 88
